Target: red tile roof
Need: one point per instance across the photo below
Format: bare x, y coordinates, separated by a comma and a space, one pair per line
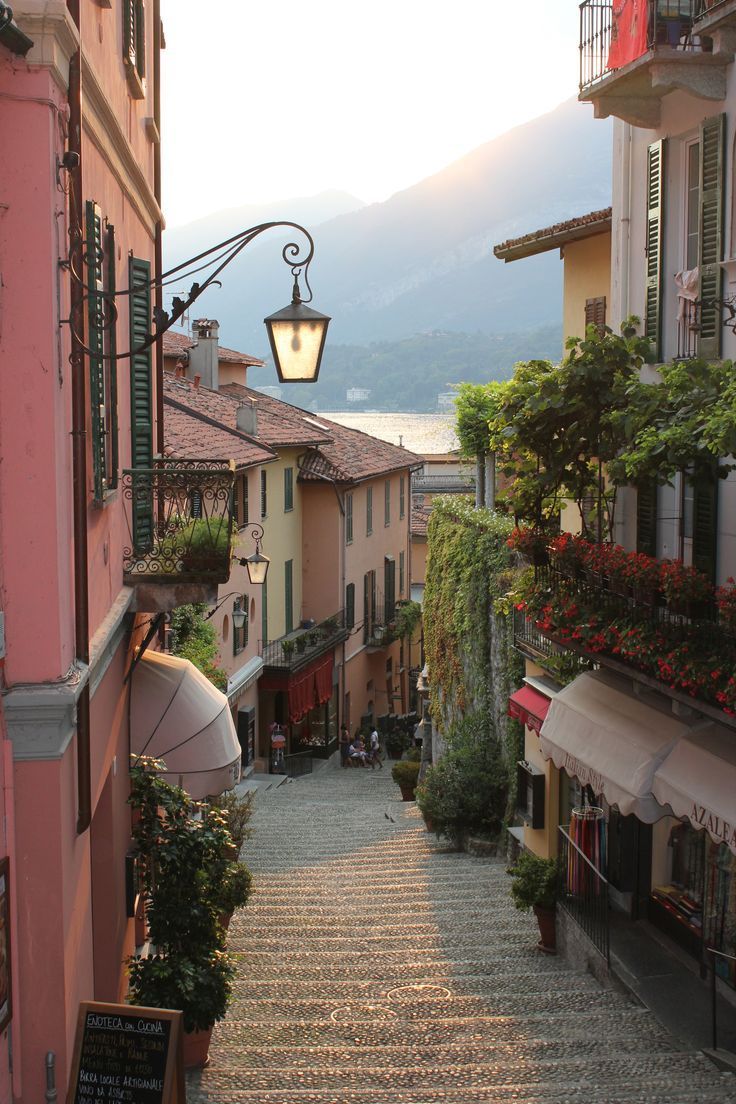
333, 452
177, 343
420, 519
540, 241
353, 455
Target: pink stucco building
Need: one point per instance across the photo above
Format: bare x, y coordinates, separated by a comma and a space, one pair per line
85, 497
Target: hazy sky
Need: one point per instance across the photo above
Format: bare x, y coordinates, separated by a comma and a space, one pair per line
269, 99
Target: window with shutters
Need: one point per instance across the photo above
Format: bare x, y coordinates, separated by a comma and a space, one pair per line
402, 580
369, 512
100, 257
240, 636
595, 313
350, 605
387, 502
141, 392
264, 494
289, 596
288, 489
402, 496
349, 518
369, 604
240, 500
134, 46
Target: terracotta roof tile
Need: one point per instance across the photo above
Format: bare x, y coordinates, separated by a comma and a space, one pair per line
177, 343
199, 423
278, 422
420, 519
539, 241
353, 455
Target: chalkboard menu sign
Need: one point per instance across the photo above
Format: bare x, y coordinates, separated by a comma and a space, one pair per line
126, 1055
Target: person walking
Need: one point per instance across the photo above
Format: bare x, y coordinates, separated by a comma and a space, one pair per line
375, 748
344, 744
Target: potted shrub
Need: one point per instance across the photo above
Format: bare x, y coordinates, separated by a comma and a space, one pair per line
237, 809
287, 647
466, 792
184, 848
535, 886
397, 742
405, 774
233, 891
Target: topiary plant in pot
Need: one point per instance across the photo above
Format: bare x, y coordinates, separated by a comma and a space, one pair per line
184, 849
536, 886
233, 891
405, 774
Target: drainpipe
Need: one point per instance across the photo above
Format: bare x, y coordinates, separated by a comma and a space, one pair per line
158, 247
79, 434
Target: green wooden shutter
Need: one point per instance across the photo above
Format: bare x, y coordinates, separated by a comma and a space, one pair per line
140, 38
112, 367
369, 511
141, 395
350, 605
387, 502
655, 228
705, 520
129, 31
646, 518
289, 596
96, 341
366, 606
245, 500
402, 573
264, 612
348, 519
710, 252
288, 489
389, 587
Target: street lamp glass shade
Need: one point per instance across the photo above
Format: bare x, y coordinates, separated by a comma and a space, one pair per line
238, 616
257, 565
297, 336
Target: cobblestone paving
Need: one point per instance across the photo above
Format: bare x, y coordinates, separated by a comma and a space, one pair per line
377, 967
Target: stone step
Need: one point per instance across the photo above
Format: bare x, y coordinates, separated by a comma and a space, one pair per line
476, 1029
356, 1054
307, 1010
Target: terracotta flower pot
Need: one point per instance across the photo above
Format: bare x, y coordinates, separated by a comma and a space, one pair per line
407, 794
547, 929
197, 1048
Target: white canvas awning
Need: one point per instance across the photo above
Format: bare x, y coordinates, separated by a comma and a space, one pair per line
600, 732
698, 780
177, 715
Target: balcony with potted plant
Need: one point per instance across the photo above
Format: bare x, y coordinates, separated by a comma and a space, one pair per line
629, 64
658, 621
307, 643
179, 515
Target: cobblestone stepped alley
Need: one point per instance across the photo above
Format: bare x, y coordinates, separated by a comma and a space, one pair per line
377, 967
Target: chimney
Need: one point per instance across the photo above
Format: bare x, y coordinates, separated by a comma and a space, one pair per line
246, 418
204, 353
197, 381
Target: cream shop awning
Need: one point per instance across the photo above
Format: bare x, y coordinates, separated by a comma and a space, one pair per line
698, 781
598, 731
177, 715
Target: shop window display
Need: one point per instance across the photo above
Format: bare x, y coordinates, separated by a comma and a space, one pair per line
697, 906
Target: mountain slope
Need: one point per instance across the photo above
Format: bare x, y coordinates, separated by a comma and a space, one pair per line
423, 259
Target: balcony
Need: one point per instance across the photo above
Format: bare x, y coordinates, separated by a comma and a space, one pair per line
298, 648
179, 516
686, 651
714, 17
626, 72
379, 628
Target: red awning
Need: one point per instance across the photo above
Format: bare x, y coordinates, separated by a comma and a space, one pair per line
306, 689
530, 707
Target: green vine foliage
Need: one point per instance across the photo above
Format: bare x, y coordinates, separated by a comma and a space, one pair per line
195, 639
468, 630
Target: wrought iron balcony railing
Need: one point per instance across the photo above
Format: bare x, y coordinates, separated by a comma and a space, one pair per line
669, 24
704, 8
299, 647
379, 628
179, 515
